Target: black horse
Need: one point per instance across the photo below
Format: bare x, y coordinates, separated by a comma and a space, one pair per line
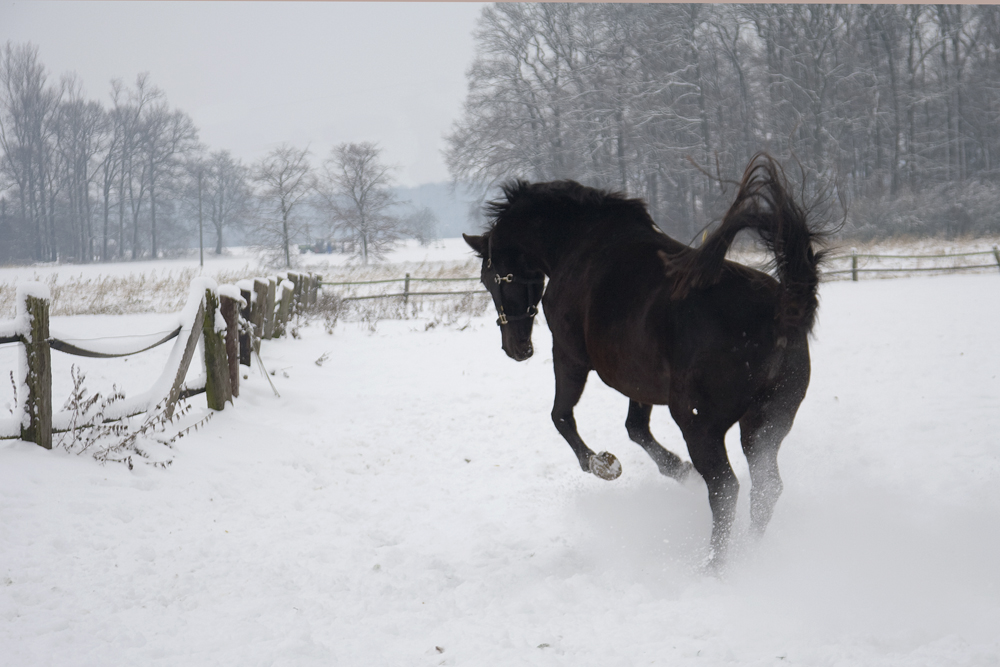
664, 323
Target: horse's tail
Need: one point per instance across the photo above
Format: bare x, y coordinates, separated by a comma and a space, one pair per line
762, 204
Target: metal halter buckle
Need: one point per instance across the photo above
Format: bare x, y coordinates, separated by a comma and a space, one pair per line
509, 278
529, 313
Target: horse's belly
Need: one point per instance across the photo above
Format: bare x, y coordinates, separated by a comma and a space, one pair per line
642, 377
640, 392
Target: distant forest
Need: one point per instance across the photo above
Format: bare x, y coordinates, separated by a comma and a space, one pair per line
892, 110
83, 181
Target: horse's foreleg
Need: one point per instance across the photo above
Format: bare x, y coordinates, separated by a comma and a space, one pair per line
637, 425
570, 380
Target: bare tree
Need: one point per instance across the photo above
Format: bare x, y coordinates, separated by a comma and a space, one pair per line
421, 224
356, 189
81, 134
166, 137
27, 108
227, 191
284, 178
134, 176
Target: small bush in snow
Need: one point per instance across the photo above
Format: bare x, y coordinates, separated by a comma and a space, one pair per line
118, 441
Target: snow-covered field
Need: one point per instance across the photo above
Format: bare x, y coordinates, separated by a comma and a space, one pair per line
408, 502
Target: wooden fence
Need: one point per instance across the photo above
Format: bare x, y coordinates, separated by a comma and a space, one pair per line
857, 267
254, 310
859, 263
406, 293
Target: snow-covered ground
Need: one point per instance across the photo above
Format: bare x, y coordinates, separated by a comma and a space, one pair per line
408, 502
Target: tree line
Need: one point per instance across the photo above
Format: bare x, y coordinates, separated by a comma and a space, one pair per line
85, 181
897, 107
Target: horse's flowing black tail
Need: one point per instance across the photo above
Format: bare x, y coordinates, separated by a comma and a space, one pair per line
764, 205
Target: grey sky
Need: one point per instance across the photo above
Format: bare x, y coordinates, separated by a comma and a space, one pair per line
255, 74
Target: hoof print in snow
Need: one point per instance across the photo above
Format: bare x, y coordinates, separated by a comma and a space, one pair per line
605, 466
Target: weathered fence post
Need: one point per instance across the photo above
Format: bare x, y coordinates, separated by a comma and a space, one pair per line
245, 339
316, 285
296, 293
269, 309
854, 264
996, 253
192, 342
284, 308
231, 314
406, 289
217, 388
37, 373
257, 312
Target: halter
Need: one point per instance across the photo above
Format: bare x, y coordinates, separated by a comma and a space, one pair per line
511, 278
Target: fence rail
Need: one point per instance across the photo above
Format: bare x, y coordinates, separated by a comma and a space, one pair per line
406, 293
856, 269
249, 315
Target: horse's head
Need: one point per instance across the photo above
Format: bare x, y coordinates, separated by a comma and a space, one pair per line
516, 290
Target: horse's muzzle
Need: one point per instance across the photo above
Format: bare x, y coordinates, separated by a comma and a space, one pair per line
520, 353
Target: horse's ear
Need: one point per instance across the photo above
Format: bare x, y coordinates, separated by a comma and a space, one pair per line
477, 243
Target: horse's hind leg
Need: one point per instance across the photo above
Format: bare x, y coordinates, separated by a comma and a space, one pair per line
761, 431
637, 425
706, 443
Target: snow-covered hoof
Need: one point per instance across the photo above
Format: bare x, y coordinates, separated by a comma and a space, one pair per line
605, 466
712, 565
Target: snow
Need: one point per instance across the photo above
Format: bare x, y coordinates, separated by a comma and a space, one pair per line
232, 292
15, 327
408, 251
32, 289
235, 259
410, 494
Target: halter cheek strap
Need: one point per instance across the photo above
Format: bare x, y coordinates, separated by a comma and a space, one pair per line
504, 318
511, 278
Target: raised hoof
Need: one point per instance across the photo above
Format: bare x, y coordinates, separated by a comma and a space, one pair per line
605, 466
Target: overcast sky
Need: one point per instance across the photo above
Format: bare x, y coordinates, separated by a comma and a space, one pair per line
255, 74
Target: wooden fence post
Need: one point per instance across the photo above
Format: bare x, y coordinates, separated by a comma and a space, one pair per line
182, 369
257, 312
406, 289
296, 293
245, 339
217, 388
269, 309
284, 308
231, 314
37, 373
317, 284
996, 253
854, 265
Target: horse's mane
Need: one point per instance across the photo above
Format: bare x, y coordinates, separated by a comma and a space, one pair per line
569, 194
